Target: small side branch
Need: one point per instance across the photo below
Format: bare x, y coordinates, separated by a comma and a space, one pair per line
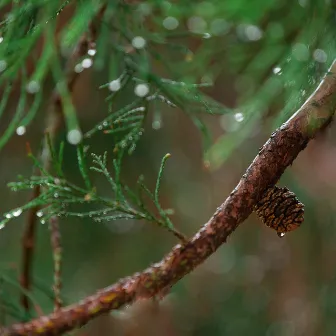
54, 122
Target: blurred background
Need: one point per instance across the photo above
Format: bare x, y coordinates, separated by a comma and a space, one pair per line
263, 60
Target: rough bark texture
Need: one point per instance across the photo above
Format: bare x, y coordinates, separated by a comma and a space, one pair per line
274, 157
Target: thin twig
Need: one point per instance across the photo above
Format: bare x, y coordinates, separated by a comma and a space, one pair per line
274, 157
54, 121
57, 254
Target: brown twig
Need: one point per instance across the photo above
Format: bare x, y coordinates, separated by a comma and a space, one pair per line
274, 157
54, 121
57, 254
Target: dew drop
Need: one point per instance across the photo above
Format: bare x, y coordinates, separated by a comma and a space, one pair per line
87, 63
276, 70
300, 52
138, 42
141, 90
114, 85
21, 130
3, 65
156, 124
8, 216
239, 117
197, 24
17, 212
170, 23
2, 226
78, 68
1, 39
33, 87
253, 33
281, 234
92, 52
56, 195
39, 213
320, 55
74, 137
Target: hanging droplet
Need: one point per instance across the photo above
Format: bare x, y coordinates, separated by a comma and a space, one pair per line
21, 130
17, 212
92, 52
39, 213
74, 136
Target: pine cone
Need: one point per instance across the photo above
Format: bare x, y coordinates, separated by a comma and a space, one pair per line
280, 210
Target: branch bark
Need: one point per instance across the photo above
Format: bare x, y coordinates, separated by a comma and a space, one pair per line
274, 157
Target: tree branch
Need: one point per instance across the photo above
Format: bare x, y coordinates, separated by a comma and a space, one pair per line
274, 157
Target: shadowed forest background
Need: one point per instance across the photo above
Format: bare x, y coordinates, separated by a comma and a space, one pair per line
263, 59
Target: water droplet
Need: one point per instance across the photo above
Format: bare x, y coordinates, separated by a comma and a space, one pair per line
320, 55
3, 65
281, 234
239, 117
17, 212
170, 23
39, 213
74, 137
156, 124
42, 221
300, 52
197, 24
21, 130
92, 52
100, 127
105, 123
78, 68
56, 195
87, 63
253, 33
141, 90
219, 27
206, 35
33, 87
276, 70
114, 85
138, 42
8, 216
2, 226
1, 39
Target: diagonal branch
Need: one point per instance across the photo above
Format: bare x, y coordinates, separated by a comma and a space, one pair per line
273, 158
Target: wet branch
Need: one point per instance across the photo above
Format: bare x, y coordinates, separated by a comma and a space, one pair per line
274, 157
